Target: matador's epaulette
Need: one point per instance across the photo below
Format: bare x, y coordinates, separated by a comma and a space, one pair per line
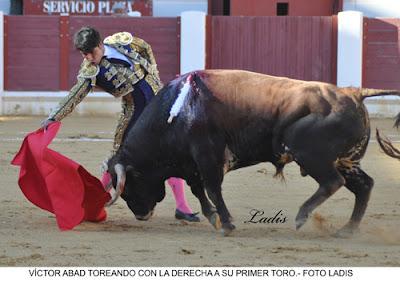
89, 71
122, 38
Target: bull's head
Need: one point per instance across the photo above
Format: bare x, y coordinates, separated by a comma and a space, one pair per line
140, 191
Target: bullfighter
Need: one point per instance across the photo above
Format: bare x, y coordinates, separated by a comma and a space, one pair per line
124, 66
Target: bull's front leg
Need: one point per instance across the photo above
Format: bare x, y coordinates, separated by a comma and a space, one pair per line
215, 194
208, 210
221, 219
208, 153
212, 176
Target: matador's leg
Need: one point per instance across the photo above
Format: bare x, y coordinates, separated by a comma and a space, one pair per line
123, 121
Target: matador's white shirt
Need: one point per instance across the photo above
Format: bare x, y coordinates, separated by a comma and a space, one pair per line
111, 53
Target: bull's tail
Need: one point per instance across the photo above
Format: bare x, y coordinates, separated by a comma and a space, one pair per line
387, 146
368, 92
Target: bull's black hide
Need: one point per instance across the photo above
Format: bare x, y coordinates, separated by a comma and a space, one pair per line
231, 119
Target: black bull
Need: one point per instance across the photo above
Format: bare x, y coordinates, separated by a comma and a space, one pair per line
232, 119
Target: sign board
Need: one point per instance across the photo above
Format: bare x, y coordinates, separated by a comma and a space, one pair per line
88, 7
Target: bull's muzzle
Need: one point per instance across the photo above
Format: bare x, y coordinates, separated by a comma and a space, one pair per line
145, 217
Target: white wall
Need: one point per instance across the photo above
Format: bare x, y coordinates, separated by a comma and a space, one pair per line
349, 63
1, 61
174, 8
193, 41
5, 6
42, 103
350, 48
374, 8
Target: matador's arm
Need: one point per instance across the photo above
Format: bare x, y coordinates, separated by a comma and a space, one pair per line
68, 103
146, 51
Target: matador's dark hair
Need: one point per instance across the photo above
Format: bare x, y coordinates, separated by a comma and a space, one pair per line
86, 39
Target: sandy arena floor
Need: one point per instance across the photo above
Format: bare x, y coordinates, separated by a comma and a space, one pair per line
29, 236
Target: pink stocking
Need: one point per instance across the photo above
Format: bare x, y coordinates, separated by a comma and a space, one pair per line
178, 188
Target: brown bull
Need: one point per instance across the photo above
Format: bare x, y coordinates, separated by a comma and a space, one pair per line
227, 119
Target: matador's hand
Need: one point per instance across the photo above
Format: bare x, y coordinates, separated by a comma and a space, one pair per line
45, 123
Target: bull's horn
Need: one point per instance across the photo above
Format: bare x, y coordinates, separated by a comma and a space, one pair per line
121, 178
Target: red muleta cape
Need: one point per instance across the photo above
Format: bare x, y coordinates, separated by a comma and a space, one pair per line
57, 184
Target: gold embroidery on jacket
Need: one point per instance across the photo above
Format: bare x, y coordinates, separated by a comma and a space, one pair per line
88, 70
141, 55
110, 73
75, 96
136, 76
123, 91
123, 121
119, 80
144, 67
123, 38
155, 85
105, 63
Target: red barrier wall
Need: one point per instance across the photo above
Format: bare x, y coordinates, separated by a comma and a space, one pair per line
296, 7
381, 58
31, 53
39, 52
297, 47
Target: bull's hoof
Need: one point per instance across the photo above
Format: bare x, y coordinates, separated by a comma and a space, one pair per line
346, 232
300, 221
227, 229
215, 221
